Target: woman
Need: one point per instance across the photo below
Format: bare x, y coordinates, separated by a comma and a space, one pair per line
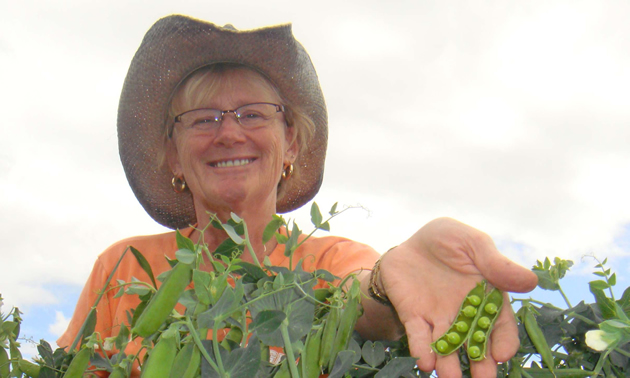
213, 120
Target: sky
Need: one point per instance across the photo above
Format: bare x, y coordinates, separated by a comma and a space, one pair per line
509, 116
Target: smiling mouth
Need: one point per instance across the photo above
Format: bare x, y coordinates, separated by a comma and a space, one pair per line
231, 163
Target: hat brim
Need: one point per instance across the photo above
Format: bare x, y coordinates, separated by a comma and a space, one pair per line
172, 49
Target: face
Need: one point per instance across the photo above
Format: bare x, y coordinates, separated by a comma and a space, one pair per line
233, 168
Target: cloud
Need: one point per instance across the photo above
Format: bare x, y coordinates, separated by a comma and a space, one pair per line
60, 325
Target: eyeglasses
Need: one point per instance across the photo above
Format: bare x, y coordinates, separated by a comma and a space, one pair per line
250, 116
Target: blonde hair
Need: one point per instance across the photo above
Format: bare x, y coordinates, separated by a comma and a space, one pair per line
202, 85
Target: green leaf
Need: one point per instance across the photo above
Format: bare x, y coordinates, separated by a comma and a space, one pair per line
202, 280
271, 228
606, 305
282, 239
267, 321
229, 249
600, 274
333, 209
316, 215
342, 365
598, 285
397, 367
144, 264
293, 240
325, 226
605, 261
545, 281
185, 256
183, 242
612, 280
354, 346
90, 325
547, 263
373, 353
236, 218
232, 234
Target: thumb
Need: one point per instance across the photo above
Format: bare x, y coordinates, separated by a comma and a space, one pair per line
503, 273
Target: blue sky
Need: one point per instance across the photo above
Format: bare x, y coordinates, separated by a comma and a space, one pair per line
509, 116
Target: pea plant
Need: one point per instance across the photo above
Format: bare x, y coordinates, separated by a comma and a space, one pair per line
237, 315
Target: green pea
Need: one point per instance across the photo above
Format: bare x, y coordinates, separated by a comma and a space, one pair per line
482, 326
470, 311
462, 327
484, 322
453, 338
474, 352
442, 346
474, 300
491, 308
479, 336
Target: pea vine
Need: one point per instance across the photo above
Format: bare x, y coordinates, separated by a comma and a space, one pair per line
238, 314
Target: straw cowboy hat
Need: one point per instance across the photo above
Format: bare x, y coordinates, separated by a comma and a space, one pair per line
172, 49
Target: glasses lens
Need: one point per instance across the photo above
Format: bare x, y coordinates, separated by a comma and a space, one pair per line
256, 115
201, 119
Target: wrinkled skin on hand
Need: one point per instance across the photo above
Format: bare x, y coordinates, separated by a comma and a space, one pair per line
427, 277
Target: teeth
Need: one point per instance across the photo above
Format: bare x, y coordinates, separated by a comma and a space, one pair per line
232, 163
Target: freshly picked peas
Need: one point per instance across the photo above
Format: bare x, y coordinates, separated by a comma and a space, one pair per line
473, 323
459, 331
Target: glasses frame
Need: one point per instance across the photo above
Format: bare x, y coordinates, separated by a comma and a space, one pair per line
178, 118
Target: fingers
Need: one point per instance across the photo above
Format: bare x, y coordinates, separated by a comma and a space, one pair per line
504, 338
419, 335
501, 272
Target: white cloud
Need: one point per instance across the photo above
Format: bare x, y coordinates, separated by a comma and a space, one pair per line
60, 325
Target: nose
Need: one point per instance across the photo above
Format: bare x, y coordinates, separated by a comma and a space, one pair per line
229, 131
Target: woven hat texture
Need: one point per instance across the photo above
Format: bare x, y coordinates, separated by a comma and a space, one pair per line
172, 49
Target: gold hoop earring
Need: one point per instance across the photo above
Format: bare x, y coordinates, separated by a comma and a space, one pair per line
288, 172
179, 184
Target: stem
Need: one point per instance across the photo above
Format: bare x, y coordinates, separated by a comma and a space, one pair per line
249, 246
548, 305
623, 352
566, 300
216, 346
582, 318
288, 348
202, 349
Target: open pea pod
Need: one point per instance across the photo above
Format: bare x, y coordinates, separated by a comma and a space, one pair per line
459, 331
482, 326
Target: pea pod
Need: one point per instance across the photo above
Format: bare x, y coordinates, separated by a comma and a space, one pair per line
537, 336
310, 358
28, 368
347, 321
331, 323
5, 369
161, 358
459, 331
187, 362
164, 301
482, 326
79, 364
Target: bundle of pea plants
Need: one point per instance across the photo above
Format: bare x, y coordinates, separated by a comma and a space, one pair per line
263, 309
260, 309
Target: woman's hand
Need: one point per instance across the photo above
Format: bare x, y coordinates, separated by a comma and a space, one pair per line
427, 277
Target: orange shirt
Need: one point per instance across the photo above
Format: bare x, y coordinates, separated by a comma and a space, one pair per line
338, 255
